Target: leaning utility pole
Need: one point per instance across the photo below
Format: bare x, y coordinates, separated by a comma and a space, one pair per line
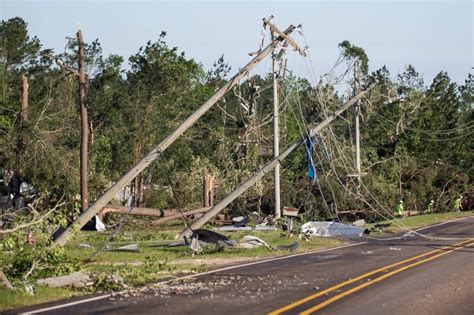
266, 169
163, 145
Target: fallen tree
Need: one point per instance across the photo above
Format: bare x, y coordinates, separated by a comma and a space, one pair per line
165, 215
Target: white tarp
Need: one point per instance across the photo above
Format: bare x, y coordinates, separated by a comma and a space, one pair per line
329, 229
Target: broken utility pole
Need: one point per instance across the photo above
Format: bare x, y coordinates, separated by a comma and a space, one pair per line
24, 98
267, 168
156, 152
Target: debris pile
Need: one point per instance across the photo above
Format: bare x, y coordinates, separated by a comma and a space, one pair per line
329, 229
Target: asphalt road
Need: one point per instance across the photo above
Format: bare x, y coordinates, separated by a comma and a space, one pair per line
400, 276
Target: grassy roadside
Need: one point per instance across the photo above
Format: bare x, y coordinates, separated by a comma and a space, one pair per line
154, 262
420, 221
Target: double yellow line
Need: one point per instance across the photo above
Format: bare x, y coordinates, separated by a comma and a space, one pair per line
442, 251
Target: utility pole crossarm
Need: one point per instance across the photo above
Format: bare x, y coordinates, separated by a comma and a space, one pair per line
268, 167
285, 36
163, 145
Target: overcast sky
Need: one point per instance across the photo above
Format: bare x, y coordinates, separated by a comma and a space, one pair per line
430, 35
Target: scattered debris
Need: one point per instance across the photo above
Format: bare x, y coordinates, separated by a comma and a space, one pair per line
231, 228
249, 241
290, 212
177, 243
132, 248
75, 280
238, 219
368, 252
329, 229
240, 225
291, 247
203, 238
95, 224
265, 228
242, 222
30, 289
83, 245
99, 225
359, 223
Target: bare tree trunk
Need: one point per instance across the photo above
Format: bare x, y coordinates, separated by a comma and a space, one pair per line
22, 141
141, 195
205, 190
24, 98
84, 124
211, 190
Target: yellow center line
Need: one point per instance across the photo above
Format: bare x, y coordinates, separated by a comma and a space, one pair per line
345, 283
385, 276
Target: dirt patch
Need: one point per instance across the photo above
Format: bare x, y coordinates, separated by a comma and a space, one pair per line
216, 261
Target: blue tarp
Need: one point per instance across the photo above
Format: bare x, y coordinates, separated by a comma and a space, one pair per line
309, 144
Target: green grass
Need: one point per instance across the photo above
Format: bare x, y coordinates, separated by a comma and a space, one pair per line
423, 220
18, 298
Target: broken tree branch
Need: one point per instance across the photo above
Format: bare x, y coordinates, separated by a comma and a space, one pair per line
34, 222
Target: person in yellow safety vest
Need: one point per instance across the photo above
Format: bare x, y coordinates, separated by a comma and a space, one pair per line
458, 204
399, 209
429, 209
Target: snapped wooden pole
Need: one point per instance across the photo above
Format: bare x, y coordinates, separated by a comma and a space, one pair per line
163, 145
266, 169
24, 98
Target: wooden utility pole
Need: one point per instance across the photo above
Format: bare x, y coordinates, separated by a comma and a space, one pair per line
163, 145
266, 169
276, 115
276, 134
84, 122
357, 131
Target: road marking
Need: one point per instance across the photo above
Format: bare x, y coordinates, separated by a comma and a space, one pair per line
345, 283
196, 275
68, 304
385, 276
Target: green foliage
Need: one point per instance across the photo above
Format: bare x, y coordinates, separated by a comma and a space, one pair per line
352, 52
414, 137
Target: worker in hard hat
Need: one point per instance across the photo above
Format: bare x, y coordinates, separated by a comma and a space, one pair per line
429, 209
399, 209
458, 203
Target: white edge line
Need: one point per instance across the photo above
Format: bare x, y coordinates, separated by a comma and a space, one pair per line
100, 297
